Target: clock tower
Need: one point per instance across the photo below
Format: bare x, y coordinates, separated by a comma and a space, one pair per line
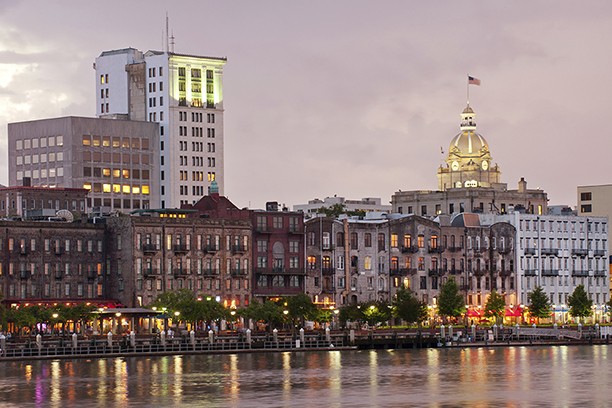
468, 163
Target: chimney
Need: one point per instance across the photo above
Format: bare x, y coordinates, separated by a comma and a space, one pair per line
522, 185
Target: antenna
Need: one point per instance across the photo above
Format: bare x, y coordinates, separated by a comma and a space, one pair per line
167, 45
172, 42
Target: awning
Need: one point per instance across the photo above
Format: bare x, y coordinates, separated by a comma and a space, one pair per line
475, 313
514, 312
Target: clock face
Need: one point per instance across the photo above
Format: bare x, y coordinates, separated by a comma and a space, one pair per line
485, 164
455, 166
458, 184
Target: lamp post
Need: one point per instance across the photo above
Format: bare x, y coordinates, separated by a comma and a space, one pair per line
54, 316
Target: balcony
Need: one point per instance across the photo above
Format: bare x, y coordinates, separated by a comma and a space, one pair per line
149, 249
531, 272
328, 271
580, 273
437, 249
295, 230
435, 272
503, 250
210, 272
58, 275
23, 250
410, 250
550, 272
238, 249
580, 251
600, 274
599, 252
92, 275
180, 249
24, 275
58, 251
549, 251
456, 271
504, 273
455, 249
179, 273
210, 249
395, 272
480, 272
239, 272
529, 251
278, 290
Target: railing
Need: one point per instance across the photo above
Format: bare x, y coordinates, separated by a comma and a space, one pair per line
455, 248
503, 250
210, 272
180, 248
599, 252
149, 248
456, 271
550, 272
531, 272
150, 272
411, 249
328, 271
580, 273
437, 249
210, 249
600, 273
239, 272
238, 249
549, 251
25, 274
263, 229
529, 251
580, 251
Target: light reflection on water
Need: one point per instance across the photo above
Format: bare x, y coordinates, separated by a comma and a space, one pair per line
506, 377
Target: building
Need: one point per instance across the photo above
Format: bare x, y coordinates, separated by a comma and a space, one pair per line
364, 205
43, 203
115, 160
360, 260
49, 262
164, 250
278, 253
470, 182
559, 253
184, 95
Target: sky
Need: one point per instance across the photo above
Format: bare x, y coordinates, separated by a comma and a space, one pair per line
347, 97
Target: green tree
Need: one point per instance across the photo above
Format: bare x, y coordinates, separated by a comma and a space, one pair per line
495, 306
350, 313
300, 308
539, 304
579, 303
450, 303
268, 312
406, 306
376, 313
337, 209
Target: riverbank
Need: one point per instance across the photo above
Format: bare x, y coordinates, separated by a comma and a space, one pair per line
74, 347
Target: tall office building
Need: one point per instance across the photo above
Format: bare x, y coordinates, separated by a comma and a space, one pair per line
116, 160
184, 94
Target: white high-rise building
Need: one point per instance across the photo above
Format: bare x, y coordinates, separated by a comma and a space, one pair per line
184, 94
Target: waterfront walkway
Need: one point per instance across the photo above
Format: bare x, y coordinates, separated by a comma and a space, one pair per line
73, 346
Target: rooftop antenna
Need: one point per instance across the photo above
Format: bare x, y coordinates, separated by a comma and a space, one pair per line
172, 42
166, 45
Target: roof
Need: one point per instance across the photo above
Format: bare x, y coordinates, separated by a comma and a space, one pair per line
153, 52
35, 188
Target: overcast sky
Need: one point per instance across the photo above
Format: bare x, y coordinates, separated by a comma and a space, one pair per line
353, 98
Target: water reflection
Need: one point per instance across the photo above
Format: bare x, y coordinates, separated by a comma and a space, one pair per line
507, 377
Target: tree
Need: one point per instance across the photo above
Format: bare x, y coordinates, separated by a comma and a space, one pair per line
268, 312
495, 306
350, 313
450, 303
579, 303
406, 306
335, 210
300, 308
377, 312
539, 304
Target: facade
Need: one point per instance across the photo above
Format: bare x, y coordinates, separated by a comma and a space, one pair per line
43, 203
365, 204
278, 253
470, 182
165, 250
184, 95
559, 253
46, 262
115, 160
388, 252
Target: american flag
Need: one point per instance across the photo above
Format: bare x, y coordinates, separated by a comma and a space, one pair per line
473, 81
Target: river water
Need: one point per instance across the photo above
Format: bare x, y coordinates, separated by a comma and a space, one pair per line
478, 377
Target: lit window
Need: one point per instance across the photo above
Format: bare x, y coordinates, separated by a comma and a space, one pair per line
126, 174
87, 186
127, 189
116, 188
106, 172
116, 173
136, 190
145, 189
86, 140
106, 188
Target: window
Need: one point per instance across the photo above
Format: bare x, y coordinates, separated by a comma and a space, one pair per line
367, 238
421, 241
394, 240
586, 196
354, 242
381, 241
586, 208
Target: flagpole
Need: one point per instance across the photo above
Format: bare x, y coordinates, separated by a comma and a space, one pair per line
468, 91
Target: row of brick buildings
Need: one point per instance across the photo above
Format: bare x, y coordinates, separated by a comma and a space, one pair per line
235, 255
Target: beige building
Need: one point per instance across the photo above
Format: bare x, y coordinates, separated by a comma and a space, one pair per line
469, 181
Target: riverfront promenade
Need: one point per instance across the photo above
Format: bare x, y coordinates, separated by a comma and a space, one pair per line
73, 346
